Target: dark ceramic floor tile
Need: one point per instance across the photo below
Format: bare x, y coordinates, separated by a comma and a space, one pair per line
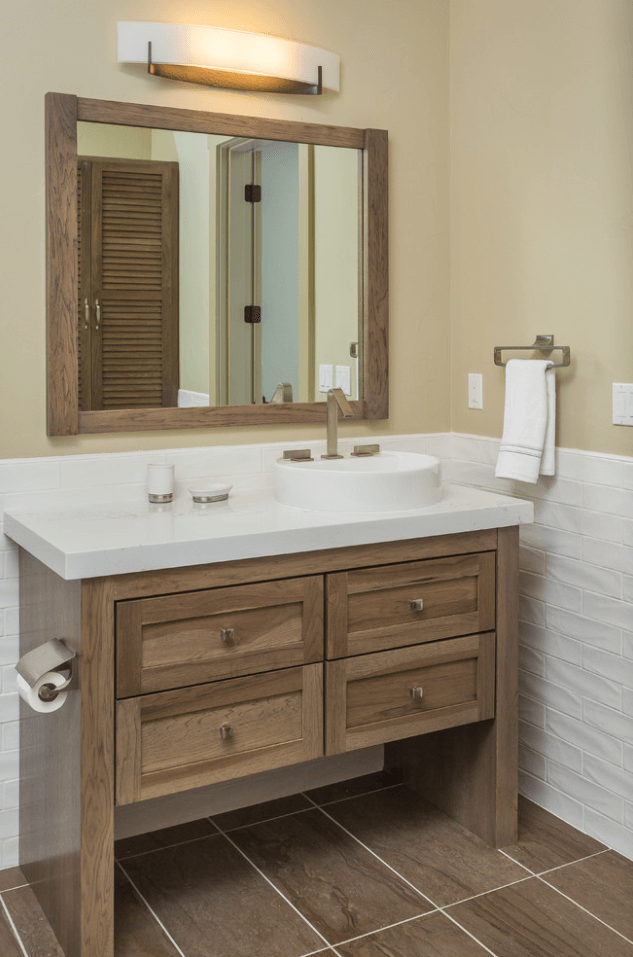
602, 885
136, 932
130, 846
32, 926
431, 936
531, 919
215, 904
261, 812
438, 856
9, 946
11, 877
355, 786
545, 841
338, 885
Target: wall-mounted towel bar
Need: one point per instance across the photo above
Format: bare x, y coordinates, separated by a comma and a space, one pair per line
541, 344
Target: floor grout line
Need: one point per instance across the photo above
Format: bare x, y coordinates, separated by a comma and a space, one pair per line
595, 916
12, 926
468, 933
277, 891
150, 909
350, 797
518, 863
491, 890
167, 847
558, 867
265, 820
379, 930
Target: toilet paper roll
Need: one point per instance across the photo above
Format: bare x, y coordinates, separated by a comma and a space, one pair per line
31, 695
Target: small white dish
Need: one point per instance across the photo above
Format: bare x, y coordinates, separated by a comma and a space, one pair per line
205, 492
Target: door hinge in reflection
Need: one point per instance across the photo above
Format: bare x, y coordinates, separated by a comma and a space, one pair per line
252, 314
252, 193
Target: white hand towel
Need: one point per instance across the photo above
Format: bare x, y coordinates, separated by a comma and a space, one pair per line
527, 445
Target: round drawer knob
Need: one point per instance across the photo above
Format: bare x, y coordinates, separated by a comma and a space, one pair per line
416, 693
228, 636
226, 731
417, 604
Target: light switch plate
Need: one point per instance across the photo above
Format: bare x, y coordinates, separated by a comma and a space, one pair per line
343, 379
623, 403
326, 379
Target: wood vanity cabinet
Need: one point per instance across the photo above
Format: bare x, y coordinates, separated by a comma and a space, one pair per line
192, 676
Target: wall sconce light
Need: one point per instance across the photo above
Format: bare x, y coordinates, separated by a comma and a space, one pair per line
231, 59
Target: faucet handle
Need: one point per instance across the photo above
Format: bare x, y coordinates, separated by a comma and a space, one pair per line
298, 455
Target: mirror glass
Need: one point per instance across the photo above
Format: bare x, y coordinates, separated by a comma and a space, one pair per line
216, 270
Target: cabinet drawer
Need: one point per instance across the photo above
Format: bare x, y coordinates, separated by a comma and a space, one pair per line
372, 609
176, 740
397, 694
195, 637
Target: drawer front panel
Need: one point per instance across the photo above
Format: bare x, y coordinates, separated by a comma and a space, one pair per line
391, 606
396, 694
196, 637
176, 740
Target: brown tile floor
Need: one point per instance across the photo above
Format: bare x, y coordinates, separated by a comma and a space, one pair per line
361, 869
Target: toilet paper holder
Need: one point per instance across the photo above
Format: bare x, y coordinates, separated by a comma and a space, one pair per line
51, 656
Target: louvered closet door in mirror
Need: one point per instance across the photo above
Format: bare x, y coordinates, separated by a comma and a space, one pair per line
128, 284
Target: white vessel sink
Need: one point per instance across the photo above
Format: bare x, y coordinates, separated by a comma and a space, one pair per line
387, 482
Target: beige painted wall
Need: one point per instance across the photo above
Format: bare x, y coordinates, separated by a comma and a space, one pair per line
542, 203
400, 85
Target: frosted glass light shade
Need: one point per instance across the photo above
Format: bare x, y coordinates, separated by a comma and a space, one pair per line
227, 58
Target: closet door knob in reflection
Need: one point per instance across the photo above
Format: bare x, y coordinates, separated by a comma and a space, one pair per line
417, 604
226, 731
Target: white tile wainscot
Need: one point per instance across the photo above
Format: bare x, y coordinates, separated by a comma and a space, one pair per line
576, 633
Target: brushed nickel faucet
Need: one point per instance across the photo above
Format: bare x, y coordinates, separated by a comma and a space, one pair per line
335, 400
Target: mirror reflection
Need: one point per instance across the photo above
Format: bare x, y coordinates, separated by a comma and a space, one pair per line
216, 270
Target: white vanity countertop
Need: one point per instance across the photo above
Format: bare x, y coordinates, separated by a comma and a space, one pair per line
90, 541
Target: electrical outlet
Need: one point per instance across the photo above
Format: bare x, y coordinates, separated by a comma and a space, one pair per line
475, 390
622, 403
326, 378
343, 379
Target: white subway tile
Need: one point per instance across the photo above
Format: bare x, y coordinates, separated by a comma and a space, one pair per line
12, 621
552, 540
598, 525
9, 850
583, 737
586, 792
584, 629
550, 798
9, 707
627, 588
489, 450
10, 735
556, 489
532, 560
628, 473
85, 471
530, 710
9, 765
8, 823
11, 563
531, 611
608, 720
550, 746
531, 661
614, 501
550, 592
466, 448
551, 695
628, 815
583, 683
532, 762
627, 700
24, 475
551, 643
616, 613
627, 533
609, 832
627, 644
608, 776
9, 592
570, 464
558, 516
608, 555
440, 445
604, 471
628, 757
11, 795
8, 679
585, 575
609, 666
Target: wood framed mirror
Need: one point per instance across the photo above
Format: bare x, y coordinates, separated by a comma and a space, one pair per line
67, 361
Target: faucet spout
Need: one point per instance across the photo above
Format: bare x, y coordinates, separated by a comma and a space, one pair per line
335, 400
